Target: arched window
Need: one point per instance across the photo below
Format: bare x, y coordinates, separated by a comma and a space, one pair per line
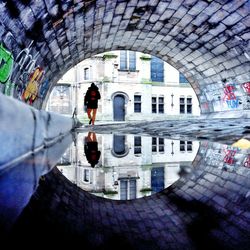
86, 74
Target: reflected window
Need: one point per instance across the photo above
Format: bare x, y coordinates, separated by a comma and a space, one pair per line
120, 148
137, 145
127, 60
137, 103
157, 69
189, 146
127, 189
182, 146
186, 146
161, 144
86, 175
154, 144
86, 74
158, 144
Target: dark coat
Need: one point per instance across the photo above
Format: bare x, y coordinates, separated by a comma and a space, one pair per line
92, 96
92, 153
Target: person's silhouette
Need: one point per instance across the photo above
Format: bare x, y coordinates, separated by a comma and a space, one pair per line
91, 149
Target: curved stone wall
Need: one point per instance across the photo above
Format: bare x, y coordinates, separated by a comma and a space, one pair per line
207, 41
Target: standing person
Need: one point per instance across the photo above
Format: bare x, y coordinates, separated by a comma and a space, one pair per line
91, 101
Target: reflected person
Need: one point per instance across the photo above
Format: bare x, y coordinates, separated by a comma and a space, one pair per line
91, 149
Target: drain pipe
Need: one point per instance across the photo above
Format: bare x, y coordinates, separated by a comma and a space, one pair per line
25, 130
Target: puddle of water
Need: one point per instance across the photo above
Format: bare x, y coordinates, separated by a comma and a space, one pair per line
125, 167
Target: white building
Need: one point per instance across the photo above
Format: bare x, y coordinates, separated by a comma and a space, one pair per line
133, 86
130, 166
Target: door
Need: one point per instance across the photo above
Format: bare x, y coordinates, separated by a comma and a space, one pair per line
119, 108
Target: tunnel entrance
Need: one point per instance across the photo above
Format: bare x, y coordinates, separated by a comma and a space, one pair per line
207, 41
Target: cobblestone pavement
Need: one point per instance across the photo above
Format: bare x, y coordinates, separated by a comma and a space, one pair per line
226, 131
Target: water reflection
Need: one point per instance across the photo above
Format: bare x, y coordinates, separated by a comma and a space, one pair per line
125, 167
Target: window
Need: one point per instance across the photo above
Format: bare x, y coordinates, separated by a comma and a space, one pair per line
137, 103
182, 105
157, 69
189, 105
127, 60
154, 105
137, 145
158, 105
154, 144
158, 144
182, 78
186, 146
186, 105
86, 74
161, 105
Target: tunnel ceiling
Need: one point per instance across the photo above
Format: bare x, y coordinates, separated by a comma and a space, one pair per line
207, 41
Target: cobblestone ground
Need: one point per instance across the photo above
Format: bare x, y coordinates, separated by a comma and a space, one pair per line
206, 209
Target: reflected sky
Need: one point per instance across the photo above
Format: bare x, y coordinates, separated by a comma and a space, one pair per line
125, 167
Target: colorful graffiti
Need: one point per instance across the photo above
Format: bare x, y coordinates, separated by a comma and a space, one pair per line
21, 78
43, 89
6, 66
247, 162
229, 157
31, 91
229, 96
246, 87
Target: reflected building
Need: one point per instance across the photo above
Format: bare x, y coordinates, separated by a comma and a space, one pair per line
130, 166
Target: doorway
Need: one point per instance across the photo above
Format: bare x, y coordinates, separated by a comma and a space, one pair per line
119, 107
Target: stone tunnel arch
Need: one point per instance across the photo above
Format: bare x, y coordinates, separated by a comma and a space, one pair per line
207, 41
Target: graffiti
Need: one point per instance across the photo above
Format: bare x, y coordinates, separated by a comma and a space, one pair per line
6, 65
229, 157
247, 162
229, 96
31, 91
25, 64
246, 87
43, 88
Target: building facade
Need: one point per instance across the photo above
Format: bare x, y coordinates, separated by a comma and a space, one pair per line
133, 86
129, 166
